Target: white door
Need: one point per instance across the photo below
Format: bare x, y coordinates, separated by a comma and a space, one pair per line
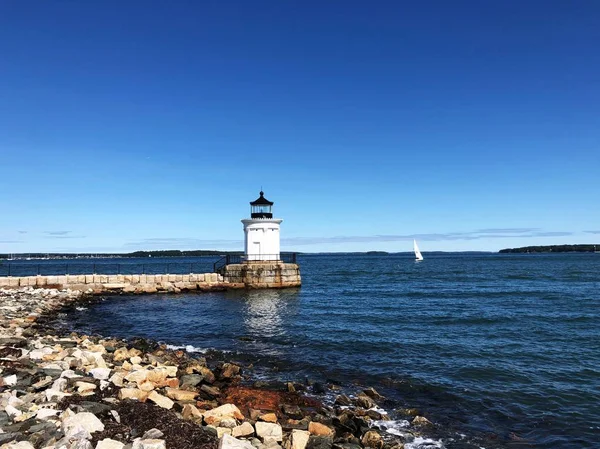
256, 251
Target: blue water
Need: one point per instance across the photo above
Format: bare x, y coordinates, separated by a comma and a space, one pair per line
500, 347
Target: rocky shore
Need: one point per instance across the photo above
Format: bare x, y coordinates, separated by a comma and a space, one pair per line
84, 392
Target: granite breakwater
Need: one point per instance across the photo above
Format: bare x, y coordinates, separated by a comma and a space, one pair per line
78, 391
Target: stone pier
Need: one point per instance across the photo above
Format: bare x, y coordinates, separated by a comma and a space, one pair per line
122, 283
246, 275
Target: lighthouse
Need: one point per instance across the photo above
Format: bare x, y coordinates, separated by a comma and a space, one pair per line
261, 232
262, 265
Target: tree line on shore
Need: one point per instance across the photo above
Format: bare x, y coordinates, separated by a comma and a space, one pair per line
583, 248
158, 253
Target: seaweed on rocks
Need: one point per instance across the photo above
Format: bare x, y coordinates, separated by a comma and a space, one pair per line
136, 418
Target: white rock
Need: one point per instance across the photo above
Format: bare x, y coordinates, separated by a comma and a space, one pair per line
19, 445
52, 394
160, 400
244, 430
297, 439
14, 401
38, 354
45, 413
229, 423
117, 379
83, 420
215, 415
85, 386
100, 373
116, 416
10, 380
60, 384
138, 443
170, 370
12, 411
79, 443
107, 443
152, 434
69, 374
229, 442
223, 431
137, 376
267, 431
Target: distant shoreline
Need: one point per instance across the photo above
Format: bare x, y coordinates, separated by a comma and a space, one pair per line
203, 253
583, 248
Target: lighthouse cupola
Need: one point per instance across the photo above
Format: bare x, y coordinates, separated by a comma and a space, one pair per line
261, 231
261, 207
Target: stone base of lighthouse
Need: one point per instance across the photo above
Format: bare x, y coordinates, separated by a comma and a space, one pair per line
262, 274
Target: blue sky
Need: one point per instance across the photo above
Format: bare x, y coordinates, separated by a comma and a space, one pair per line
151, 125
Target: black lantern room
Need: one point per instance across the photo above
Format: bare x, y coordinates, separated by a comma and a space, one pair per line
261, 207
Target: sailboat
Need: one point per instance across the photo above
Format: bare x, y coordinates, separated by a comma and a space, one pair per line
418, 255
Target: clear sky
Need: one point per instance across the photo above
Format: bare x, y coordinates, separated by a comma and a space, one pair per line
150, 125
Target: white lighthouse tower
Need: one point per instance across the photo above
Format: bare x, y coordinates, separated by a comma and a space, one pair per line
261, 231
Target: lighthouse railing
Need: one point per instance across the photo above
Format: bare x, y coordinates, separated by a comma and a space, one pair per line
232, 259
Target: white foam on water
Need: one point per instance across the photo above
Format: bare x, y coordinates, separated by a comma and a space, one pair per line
188, 348
379, 410
81, 308
424, 443
394, 427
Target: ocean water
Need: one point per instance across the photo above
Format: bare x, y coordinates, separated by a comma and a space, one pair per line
501, 349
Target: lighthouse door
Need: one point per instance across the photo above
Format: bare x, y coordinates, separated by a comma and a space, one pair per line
256, 251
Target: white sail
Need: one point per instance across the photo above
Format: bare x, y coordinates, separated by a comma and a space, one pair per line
418, 255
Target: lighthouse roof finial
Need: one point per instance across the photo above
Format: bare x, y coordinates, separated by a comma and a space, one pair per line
261, 200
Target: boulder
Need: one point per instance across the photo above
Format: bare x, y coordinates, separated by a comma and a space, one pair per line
421, 421
228, 423
212, 392
317, 442
100, 373
117, 379
364, 401
229, 442
18, 445
140, 443
372, 439
181, 395
190, 412
318, 429
82, 387
293, 411
267, 431
215, 415
10, 380
223, 431
244, 430
268, 417
152, 434
228, 370
107, 443
160, 400
191, 380
146, 386
133, 393
373, 394
82, 421
297, 439
206, 374
138, 376
45, 413
343, 400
